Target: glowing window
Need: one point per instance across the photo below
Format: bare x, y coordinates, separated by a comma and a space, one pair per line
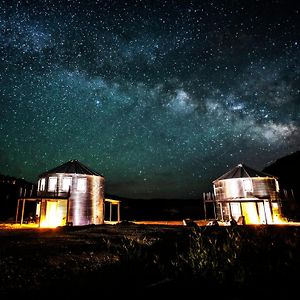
66, 183
277, 185
52, 184
42, 184
81, 184
247, 185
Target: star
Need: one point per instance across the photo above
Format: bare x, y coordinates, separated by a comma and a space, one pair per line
159, 96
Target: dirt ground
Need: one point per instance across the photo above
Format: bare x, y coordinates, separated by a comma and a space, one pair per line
36, 260
109, 260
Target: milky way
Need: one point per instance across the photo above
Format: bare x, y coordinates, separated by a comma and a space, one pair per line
161, 97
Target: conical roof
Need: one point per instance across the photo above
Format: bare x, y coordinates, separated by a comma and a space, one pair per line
72, 167
241, 171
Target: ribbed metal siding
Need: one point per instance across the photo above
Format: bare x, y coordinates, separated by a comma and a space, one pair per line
87, 207
230, 189
84, 207
265, 188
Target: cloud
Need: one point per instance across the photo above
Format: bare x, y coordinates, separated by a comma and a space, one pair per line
275, 132
181, 103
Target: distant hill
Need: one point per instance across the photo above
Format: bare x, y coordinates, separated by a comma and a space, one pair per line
159, 209
288, 172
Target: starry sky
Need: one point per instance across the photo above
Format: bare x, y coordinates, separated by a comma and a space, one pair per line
161, 97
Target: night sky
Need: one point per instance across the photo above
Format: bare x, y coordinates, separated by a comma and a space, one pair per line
161, 97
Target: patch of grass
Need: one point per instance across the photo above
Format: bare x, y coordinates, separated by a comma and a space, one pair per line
150, 258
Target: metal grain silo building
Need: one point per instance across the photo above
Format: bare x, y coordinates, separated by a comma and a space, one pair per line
70, 194
247, 193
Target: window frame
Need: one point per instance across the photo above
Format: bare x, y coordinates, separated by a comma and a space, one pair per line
50, 179
247, 183
80, 187
42, 184
66, 188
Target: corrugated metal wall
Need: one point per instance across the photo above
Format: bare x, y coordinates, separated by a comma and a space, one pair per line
228, 189
254, 198
86, 204
264, 188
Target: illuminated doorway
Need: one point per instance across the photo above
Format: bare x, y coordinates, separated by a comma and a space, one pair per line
53, 213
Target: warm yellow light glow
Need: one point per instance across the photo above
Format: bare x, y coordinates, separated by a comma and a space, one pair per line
50, 218
55, 214
61, 212
277, 218
112, 201
250, 212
